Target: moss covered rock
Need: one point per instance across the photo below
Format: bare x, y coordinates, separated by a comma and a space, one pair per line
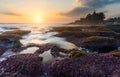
100, 44
18, 32
76, 53
116, 53
10, 40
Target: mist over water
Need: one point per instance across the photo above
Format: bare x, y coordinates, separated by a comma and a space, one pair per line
39, 34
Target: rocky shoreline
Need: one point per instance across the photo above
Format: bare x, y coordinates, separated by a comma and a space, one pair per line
78, 34
102, 60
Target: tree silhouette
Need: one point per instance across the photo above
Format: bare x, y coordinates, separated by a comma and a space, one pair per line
101, 16
94, 18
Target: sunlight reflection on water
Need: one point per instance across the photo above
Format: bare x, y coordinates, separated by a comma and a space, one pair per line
38, 35
30, 50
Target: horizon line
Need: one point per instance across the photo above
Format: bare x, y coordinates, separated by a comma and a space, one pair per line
30, 23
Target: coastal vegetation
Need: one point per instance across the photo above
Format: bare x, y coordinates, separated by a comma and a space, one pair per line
100, 44
18, 32
98, 39
10, 40
10, 36
76, 53
94, 18
117, 53
87, 33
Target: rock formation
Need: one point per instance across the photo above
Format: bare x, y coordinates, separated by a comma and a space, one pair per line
22, 65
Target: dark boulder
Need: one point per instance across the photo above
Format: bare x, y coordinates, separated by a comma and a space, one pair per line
116, 30
100, 44
10, 40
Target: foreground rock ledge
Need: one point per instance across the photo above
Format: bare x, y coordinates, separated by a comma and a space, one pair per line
91, 65
22, 65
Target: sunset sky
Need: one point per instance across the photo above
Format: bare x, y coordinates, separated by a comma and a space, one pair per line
54, 11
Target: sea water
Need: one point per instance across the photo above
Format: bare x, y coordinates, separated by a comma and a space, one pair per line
39, 35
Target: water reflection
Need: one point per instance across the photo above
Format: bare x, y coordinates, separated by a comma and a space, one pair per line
47, 56
38, 35
30, 50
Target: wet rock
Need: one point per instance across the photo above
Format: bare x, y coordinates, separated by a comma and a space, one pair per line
21, 65
116, 29
42, 47
77, 53
2, 50
116, 53
18, 32
77, 33
90, 65
100, 44
55, 51
10, 40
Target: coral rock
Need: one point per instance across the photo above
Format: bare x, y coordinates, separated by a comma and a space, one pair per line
22, 65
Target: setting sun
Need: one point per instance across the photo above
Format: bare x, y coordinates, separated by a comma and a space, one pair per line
38, 20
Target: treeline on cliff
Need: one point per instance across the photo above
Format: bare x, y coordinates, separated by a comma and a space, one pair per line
94, 18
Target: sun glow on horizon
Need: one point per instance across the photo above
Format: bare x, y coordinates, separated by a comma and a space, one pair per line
38, 20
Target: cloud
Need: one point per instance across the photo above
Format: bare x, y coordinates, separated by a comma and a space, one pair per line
78, 11
10, 13
97, 3
87, 6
